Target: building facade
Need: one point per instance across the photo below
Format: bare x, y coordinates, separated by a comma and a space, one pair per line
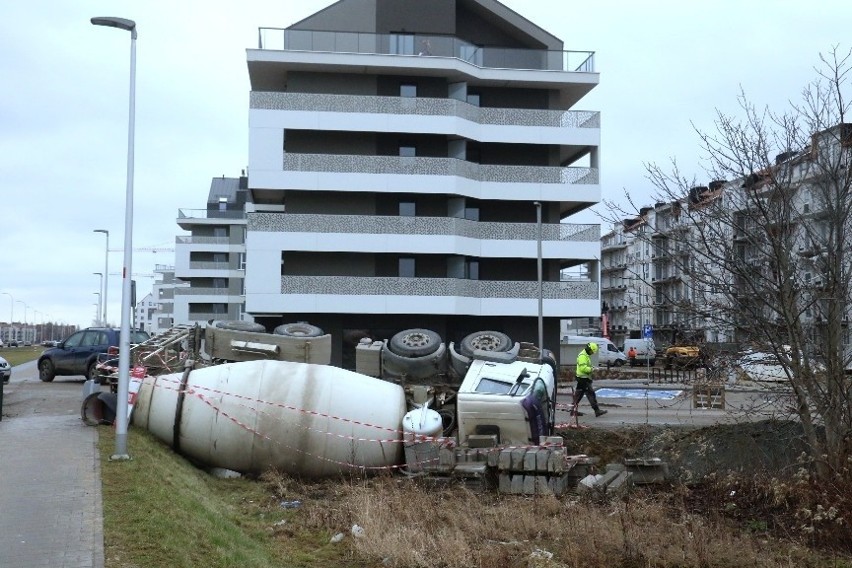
207, 279
402, 158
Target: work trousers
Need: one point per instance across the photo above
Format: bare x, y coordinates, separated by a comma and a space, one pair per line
584, 388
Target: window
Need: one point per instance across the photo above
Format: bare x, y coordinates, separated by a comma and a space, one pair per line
406, 267
806, 208
471, 213
402, 44
220, 231
223, 204
473, 99
220, 283
75, 339
408, 90
407, 150
407, 209
471, 269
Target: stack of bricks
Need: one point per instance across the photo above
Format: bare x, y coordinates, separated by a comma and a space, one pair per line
534, 470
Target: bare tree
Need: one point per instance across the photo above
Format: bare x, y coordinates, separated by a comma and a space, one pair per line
770, 245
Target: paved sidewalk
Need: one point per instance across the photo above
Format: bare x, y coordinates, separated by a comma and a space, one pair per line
50, 491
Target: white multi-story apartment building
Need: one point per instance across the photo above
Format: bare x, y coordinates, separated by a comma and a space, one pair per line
742, 238
210, 261
400, 155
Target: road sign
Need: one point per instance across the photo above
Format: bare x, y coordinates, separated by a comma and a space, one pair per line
647, 331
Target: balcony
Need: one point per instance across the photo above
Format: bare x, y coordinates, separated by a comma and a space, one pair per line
434, 287
432, 46
303, 102
194, 240
210, 265
384, 165
204, 292
438, 226
210, 214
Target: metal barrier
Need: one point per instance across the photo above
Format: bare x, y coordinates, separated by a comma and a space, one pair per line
675, 375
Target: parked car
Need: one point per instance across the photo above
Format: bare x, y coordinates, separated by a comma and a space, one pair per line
5, 370
78, 354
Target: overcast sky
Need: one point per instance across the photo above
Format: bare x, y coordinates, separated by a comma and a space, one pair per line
64, 102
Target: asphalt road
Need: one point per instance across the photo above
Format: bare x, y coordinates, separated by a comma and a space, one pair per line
25, 394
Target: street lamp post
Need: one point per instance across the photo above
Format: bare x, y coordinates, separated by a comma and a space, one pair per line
98, 313
11, 314
24, 337
11, 308
98, 320
126, 273
106, 276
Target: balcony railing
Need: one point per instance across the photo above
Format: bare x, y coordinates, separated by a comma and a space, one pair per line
191, 291
424, 46
196, 240
348, 164
390, 286
211, 265
209, 214
392, 225
424, 106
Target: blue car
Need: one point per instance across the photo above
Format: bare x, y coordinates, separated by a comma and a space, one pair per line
78, 354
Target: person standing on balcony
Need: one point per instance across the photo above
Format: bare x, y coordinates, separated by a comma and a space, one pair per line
584, 380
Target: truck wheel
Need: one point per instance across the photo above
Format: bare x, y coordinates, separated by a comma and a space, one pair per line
239, 325
415, 343
485, 341
46, 371
298, 329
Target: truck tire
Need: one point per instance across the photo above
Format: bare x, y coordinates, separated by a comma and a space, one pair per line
485, 341
239, 325
298, 329
415, 343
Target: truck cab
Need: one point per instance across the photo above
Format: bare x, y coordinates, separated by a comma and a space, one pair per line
514, 401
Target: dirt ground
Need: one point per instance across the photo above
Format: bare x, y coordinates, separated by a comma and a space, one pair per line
692, 453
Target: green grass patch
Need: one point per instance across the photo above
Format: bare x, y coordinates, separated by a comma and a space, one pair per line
160, 510
19, 355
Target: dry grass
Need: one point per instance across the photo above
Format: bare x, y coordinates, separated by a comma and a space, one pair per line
161, 511
410, 523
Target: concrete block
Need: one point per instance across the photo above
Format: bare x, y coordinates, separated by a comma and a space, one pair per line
621, 484
645, 471
559, 484
607, 478
588, 484
504, 483
504, 462
615, 467
541, 486
482, 440
530, 460
517, 485
556, 461
541, 458
552, 441
446, 459
493, 458
529, 484
518, 459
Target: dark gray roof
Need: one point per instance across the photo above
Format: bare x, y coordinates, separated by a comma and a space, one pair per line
223, 187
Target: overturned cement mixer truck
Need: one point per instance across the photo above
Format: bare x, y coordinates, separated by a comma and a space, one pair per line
236, 397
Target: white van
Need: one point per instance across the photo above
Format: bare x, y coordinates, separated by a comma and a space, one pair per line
646, 352
608, 354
